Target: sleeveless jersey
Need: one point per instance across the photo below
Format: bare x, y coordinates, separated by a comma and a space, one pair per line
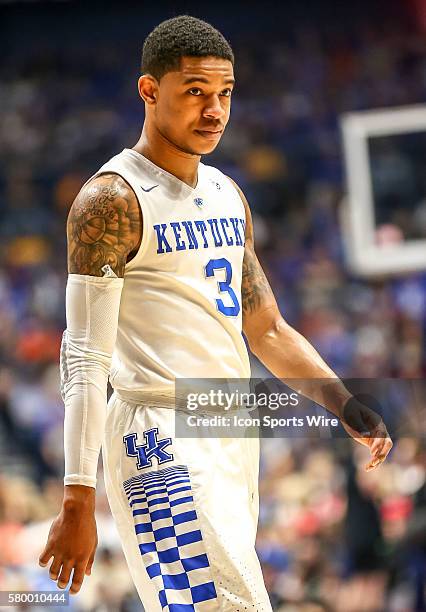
180, 311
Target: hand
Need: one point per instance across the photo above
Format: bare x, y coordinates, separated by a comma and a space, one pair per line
367, 428
72, 538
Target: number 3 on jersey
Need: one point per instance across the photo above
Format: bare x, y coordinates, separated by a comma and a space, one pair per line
224, 286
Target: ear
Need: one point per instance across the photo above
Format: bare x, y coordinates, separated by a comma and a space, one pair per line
148, 88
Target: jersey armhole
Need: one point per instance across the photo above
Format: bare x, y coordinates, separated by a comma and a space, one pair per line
233, 186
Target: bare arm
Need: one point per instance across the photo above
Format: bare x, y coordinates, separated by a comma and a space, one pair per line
289, 356
279, 346
103, 229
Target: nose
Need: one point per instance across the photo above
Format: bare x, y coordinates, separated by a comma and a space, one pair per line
213, 108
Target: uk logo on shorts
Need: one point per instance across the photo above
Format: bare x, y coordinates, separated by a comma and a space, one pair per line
153, 447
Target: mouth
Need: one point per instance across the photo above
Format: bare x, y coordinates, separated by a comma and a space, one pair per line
210, 134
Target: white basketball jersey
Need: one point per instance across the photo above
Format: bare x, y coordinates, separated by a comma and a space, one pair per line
180, 312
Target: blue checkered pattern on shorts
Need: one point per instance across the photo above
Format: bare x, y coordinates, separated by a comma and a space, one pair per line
170, 539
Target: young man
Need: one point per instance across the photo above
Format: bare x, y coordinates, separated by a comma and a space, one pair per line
163, 277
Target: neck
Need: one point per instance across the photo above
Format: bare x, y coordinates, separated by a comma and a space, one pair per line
164, 154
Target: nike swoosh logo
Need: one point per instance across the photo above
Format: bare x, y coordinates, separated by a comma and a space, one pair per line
149, 188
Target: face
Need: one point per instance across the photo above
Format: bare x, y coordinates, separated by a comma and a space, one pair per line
190, 107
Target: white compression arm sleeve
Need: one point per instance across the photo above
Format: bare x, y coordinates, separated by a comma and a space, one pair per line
92, 307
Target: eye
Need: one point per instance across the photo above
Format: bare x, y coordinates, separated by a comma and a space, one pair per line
226, 93
195, 91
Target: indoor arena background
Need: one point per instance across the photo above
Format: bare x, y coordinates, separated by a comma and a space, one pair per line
331, 537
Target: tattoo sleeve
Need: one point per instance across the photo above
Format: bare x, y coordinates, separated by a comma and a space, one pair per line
104, 226
256, 292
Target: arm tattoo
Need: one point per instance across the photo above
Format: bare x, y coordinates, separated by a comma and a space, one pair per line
104, 226
255, 289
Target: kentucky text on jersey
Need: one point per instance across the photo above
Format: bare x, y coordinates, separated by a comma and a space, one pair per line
182, 235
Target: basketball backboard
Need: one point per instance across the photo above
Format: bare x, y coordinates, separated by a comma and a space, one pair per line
384, 213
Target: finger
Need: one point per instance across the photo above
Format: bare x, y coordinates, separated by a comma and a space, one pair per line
382, 448
55, 567
90, 563
386, 448
377, 446
375, 462
77, 579
45, 557
64, 576
372, 465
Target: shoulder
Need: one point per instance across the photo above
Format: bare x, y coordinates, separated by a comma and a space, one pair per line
238, 188
104, 191
104, 225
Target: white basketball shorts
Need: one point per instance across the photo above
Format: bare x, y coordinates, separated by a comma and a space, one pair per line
186, 510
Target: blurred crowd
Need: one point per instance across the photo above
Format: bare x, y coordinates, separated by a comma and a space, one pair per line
331, 537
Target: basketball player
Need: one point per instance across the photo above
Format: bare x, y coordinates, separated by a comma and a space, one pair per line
163, 278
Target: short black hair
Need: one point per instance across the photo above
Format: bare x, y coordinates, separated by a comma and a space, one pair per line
178, 37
